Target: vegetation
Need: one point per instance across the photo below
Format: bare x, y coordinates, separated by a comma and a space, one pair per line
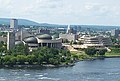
101, 52
115, 51
20, 55
3, 34
93, 52
3, 47
65, 41
90, 51
80, 56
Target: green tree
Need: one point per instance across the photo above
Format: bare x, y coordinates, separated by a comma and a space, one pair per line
21, 59
71, 42
13, 60
101, 52
90, 51
54, 61
40, 59
7, 60
20, 50
31, 59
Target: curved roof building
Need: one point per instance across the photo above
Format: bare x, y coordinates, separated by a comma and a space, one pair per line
98, 41
19, 42
41, 41
44, 36
31, 40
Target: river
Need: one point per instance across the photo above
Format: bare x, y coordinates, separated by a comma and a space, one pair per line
97, 70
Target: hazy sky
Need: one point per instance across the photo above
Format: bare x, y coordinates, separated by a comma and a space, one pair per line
102, 12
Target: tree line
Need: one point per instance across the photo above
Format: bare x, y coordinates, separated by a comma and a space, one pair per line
93, 51
20, 55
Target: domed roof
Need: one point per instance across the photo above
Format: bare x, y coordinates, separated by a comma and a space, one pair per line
18, 42
30, 40
44, 36
55, 36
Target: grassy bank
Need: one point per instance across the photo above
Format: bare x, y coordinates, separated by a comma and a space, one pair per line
114, 52
80, 55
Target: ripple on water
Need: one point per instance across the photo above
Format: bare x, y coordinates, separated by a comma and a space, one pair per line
82, 71
114, 73
2, 79
46, 78
27, 74
39, 75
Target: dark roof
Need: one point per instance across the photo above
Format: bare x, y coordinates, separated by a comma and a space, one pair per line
44, 36
18, 42
30, 40
55, 36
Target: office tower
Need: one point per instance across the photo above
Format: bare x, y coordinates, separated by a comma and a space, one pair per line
115, 33
10, 40
14, 24
78, 28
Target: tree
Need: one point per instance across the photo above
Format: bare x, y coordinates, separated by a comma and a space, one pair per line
30, 58
21, 59
74, 42
71, 42
3, 47
80, 42
101, 52
65, 41
13, 60
40, 59
43, 55
7, 60
20, 50
90, 51
26, 49
54, 61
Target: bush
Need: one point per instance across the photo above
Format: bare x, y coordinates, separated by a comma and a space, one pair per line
90, 51
101, 52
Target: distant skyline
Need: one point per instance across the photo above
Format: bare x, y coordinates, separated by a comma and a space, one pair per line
92, 12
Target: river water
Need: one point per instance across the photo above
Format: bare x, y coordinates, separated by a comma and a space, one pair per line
97, 70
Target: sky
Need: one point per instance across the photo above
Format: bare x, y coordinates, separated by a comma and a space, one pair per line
83, 12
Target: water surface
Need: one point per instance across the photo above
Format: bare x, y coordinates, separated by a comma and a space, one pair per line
97, 70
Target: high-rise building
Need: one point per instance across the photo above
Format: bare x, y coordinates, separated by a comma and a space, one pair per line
115, 33
11, 34
78, 28
14, 24
10, 40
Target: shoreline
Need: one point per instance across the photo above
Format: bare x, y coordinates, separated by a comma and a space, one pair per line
112, 56
35, 66
97, 58
50, 65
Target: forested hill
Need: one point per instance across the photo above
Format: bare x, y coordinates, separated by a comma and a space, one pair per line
6, 21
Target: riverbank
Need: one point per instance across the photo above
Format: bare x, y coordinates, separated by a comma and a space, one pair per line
36, 66
81, 56
106, 70
53, 66
97, 58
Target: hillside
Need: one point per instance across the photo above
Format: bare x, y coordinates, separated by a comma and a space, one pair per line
6, 21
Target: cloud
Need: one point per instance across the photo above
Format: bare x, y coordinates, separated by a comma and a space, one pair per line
63, 11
